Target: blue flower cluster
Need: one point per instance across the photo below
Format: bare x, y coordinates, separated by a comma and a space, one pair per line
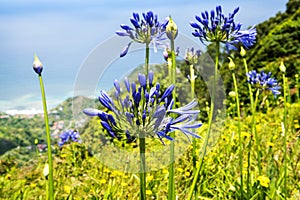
215, 27
263, 81
144, 108
146, 31
69, 135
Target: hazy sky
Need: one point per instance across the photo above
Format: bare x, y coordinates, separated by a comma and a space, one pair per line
63, 33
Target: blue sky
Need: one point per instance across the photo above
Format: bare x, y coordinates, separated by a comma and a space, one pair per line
63, 33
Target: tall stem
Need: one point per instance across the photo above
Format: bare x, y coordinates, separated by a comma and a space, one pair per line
211, 115
171, 187
284, 136
252, 129
147, 60
142, 165
239, 133
194, 142
257, 138
48, 136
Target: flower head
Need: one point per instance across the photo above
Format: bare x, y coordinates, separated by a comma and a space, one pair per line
192, 56
264, 181
67, 136
37, 65
144, 107
147, 30
215, 27
263, 81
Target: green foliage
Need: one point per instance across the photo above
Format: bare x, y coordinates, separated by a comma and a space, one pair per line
79, 175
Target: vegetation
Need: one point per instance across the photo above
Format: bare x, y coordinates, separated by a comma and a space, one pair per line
79, 172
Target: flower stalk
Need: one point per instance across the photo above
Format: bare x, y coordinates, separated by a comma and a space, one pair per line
210, 119
232, 67
38, 67
284, 127
171, 31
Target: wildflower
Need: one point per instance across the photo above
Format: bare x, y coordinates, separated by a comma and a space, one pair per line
148, 192
37, 65
263, 81
270, 144
215, 27
145, 31
69, 135
187, 174
264, 181
67, 189
145, 108
102, 181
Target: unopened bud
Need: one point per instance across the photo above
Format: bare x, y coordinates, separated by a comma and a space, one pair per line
231, 64
282, 67
46, 170
243, 52
37, 65
171, 29
232, 94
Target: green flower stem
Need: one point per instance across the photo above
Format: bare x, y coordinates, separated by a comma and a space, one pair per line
257, 138
142, 165
252, 129
142, 142
194, 143
147, 61
211, 114
284, 133
171, 184
239, 133
297, 87
50, 178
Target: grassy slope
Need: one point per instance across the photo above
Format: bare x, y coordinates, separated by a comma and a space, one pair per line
83, 176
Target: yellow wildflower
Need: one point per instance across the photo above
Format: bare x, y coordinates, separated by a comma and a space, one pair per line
150, 178
67, 189
270, 144
103, 181
179, 169
264, 181
148, 192
245, 134
187, 173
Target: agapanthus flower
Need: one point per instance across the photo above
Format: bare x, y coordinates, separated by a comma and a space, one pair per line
69, 135
263, 81
146, 31
215, 27
144, 107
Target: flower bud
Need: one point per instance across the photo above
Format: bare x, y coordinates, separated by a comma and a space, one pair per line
243, 52
282, 67
171, 30
231, 64
46, 170
232, 94
37, 65
36, 141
